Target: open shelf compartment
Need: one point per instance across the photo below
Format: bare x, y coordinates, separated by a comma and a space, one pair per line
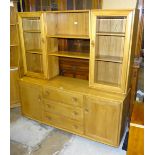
73, 48
68, 24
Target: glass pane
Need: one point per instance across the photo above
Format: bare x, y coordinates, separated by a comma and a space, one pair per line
108, 73
109, 46
34, 62
32, 41
31, 23
111, 24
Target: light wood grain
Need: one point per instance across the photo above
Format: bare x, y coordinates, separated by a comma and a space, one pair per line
76, 36
112, 45
70, 103
13, 14
111, 25
13, 35
68, 23
34, 62
31, 100
70, 54
64, 110
53, 62
32, 41
14, 56
69, 124
14, 87
63, 96
108, 72
101, 120
109, 58
119, 4
31, 24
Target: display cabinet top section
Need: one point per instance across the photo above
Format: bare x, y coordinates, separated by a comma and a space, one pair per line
117, 11
40, 12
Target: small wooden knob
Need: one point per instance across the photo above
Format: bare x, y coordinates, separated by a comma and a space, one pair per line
75, 126
47, 93
49, 118
74, 99
75, 113
86, 110
39, 98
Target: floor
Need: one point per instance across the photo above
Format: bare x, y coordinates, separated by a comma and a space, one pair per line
54, 142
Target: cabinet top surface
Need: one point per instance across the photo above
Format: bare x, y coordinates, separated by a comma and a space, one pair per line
75, 85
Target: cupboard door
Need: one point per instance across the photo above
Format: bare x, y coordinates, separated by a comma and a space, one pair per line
31, 99
110, 50
102, 120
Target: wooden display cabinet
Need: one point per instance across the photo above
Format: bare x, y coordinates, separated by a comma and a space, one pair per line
110, 50
86, 56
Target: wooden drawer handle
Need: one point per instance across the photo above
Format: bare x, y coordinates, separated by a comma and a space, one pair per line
86, 110
74, 99
39, 98
48, 106
47, 93
49, 118
75, 126
75, 113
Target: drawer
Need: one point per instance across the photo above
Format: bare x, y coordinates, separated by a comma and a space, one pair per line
63, 96
53, 107
62, 122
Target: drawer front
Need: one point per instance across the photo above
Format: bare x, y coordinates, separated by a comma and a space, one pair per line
62, 122
63, 97
53, 107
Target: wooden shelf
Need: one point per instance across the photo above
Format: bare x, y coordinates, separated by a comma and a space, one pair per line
108, 83
32, 31
12, 24
35, 51
69, 36
70, 54
110, 34
109, 58
34, 74
13, 45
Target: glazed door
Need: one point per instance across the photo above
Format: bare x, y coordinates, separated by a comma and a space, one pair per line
32, 36
110, 49
102, 120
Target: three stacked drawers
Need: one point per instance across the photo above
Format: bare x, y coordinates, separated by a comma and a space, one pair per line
63, 109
